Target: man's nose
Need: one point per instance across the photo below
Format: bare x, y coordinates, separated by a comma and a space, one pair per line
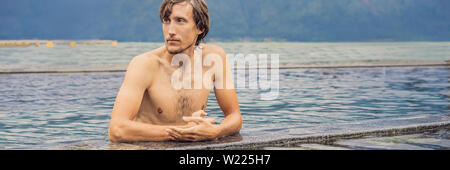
171, 30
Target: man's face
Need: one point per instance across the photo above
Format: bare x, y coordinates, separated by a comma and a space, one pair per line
180, 31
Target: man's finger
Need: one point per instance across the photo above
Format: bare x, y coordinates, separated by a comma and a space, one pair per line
200, 113
188, 137
173, 133
199, 120
194, 119
180, 130
210, 120
180, 135
188, 125
184, 134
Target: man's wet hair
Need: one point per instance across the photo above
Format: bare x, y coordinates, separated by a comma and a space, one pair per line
200, 11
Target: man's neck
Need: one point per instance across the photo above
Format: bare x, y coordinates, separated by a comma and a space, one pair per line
189, 52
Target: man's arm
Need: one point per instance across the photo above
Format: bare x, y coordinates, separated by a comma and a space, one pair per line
227, 99
122, 128
228, 103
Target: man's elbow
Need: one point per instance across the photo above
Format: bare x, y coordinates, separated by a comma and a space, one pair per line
116, 132
241, 122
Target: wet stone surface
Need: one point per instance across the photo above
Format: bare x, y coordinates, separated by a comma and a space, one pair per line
439, 140
311, 146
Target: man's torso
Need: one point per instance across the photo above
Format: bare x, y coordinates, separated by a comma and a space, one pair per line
162, 104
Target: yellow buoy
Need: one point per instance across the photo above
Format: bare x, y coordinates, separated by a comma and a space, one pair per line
72, 44
37, 44
49, 44
19, 43
26, 43
114, 43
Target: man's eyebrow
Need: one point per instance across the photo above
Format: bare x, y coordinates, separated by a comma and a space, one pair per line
179, 17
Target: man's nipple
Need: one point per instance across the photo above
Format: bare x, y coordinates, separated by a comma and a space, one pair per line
160, 110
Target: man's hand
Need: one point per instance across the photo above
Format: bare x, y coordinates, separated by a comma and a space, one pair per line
202, 130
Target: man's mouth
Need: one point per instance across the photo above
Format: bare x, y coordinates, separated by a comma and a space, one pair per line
173, 41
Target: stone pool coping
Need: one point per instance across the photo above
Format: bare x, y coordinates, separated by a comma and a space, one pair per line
327, 134
256, 140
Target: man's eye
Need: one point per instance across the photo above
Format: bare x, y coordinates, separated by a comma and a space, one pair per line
166, 20
181, 20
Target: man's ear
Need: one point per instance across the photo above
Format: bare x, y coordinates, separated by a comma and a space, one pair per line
199, 31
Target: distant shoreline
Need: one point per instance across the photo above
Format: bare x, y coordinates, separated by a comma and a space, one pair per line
50, 43
281, 68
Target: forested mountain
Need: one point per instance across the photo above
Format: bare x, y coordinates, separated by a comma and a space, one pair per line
232, 20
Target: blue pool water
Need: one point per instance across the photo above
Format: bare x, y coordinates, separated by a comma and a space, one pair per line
40, 110
68, 108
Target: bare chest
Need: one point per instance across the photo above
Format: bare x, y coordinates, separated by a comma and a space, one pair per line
164, 104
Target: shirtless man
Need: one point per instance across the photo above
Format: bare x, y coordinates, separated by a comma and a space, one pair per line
149, 108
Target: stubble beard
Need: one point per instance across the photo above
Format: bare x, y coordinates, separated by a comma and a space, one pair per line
179, 51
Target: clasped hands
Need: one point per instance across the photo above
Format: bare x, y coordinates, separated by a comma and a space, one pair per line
198, 128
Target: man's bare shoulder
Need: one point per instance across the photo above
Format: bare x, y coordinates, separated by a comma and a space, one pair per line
149, 60
142, 68
213, 49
